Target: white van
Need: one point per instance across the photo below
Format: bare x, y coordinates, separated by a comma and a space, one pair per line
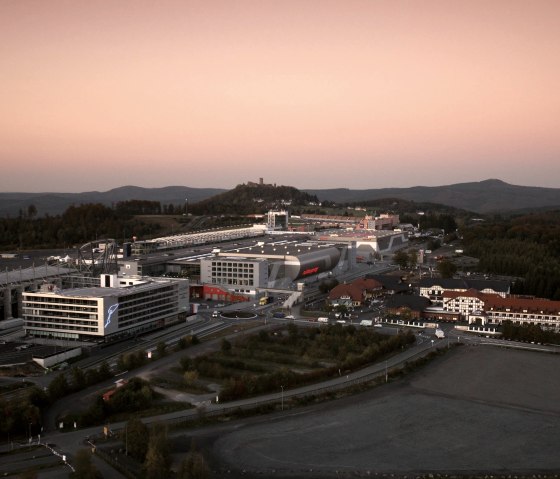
323, 320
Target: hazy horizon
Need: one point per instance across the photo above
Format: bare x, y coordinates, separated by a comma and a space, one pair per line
314, 94
254, 181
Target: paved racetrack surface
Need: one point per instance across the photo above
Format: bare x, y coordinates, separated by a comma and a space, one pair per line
477, 410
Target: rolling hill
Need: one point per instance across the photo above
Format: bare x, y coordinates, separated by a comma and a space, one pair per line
481, 197
56, 203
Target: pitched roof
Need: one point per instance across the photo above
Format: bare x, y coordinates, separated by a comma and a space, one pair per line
355, 290
466, 283
413, 302
469, 293
390, 282
523, 303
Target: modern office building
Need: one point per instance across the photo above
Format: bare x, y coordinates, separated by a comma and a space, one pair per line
271, 265
241, 275
117, 308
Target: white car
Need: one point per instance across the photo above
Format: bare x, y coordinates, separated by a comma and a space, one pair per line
289, 317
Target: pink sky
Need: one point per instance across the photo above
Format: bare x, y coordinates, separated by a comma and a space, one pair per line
316, 94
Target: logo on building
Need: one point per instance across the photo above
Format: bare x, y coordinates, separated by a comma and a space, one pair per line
110, 312
310, 271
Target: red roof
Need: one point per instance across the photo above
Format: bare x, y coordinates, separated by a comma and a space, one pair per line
355, 290
524, 303
469, 293
519, 304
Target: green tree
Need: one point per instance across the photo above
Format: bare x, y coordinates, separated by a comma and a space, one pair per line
161, 349
158, 459
193, 466
341, 309
136, 433
446, 268
400, 258
104, 371
326, 285
78, 378
84, 467
412, 259
190, 377
58, 387
182, 343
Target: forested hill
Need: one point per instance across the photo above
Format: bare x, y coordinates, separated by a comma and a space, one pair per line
527, 247
253, 198
11, 204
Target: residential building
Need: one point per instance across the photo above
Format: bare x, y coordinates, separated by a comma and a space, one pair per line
354, 294
433, 288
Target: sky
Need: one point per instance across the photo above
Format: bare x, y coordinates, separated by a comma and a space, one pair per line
97, 94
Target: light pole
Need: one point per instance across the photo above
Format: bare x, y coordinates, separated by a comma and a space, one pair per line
282, 398
386, 373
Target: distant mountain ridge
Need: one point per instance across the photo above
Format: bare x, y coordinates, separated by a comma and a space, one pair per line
56, 203
481, 197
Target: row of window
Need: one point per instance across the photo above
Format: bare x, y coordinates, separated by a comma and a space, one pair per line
60, 300
233, 281
523, 316
33, 324
232, 265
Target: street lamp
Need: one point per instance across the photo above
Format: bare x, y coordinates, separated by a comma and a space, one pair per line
282, 397
386, 373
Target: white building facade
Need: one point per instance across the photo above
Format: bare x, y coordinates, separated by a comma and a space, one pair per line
241, 275
117, 308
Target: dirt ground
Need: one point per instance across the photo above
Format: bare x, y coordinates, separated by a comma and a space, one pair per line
478, 410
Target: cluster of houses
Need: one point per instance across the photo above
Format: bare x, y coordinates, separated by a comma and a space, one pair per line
482, 305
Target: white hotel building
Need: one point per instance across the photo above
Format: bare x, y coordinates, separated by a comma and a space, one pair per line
119, 307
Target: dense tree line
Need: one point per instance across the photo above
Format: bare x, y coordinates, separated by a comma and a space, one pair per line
19, 417
529, 332
76, 226
527, 247
151, 447
138, 207
241, 366
135, 396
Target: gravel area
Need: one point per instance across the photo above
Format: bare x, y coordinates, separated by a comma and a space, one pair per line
478, 410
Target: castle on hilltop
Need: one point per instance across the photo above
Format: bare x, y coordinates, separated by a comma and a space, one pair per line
260, 183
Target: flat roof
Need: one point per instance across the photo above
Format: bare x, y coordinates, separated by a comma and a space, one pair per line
99, 292
23, 275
